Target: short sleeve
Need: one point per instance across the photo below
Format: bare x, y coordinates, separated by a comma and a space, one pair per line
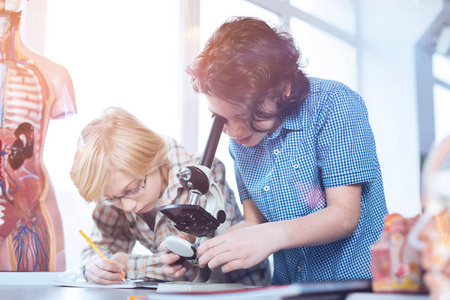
345, 143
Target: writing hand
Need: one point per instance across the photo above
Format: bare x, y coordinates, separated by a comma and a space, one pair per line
100, 271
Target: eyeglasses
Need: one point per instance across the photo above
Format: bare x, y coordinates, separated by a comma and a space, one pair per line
134, 193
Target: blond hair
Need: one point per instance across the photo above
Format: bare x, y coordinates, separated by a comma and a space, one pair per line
116, 141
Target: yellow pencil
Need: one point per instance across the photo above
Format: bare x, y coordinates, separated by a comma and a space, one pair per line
102, 255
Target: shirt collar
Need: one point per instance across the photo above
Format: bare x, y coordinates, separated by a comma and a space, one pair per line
292, 122
178, 158
296, 119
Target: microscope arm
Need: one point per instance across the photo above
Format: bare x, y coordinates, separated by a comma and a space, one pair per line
192, 218
204, 223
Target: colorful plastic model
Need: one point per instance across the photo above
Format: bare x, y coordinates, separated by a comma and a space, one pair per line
33, 90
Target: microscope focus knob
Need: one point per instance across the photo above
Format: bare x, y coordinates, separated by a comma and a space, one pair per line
221, 216
184, 174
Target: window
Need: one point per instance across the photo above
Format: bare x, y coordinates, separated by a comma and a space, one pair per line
119, 53
340, 14
441, 110
433, 83
441, 92
441, 67
339, 64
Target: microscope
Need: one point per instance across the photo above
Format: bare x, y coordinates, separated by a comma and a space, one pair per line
204, 223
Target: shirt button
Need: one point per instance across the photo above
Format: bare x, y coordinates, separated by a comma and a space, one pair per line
266, 188
276, 151
299, 269
296, 166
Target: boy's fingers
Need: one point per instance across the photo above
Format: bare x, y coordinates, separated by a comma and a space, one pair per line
169, 258
99, 276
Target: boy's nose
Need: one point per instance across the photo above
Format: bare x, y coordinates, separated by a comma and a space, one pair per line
234, 129
128, 204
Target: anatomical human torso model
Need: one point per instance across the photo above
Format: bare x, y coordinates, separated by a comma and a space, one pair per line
33, 90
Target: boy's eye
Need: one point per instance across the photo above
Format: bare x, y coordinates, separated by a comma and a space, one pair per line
216, 115
132, 192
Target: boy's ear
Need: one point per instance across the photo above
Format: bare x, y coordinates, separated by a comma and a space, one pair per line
287, 90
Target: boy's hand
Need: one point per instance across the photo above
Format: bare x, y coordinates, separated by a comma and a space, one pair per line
99, 271
238, 249
169, 259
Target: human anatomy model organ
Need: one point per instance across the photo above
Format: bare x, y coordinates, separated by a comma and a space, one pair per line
33, 90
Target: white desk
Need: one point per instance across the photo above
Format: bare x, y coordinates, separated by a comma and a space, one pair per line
36, 286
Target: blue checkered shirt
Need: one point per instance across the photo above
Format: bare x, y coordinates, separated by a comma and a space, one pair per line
326, 143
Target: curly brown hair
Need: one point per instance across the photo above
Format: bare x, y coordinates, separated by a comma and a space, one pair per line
246, 62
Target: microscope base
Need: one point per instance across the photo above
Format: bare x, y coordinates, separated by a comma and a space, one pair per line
192, 287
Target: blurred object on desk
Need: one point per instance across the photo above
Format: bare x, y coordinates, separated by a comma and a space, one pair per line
395, 263
431, 234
